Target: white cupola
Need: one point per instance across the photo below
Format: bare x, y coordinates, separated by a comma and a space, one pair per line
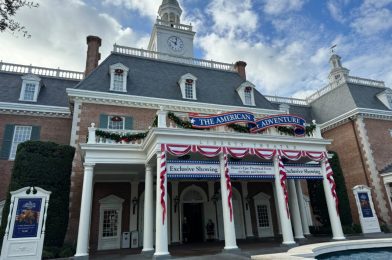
170, 11
338, 73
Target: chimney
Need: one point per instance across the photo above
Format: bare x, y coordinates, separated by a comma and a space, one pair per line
239, 66
93, 55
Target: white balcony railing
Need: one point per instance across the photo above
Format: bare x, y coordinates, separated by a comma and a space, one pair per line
174, 25
47, 72
163, 122
173, 58
287, 100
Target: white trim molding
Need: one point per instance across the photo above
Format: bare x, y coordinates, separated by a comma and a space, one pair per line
156, 103
31, 80
114, 68
183, 81
31, 109
247, 86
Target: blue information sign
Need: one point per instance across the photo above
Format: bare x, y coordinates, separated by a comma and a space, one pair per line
27, 217
365, 205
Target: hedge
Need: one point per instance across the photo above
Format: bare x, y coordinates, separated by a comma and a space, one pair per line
317, 197
46, 165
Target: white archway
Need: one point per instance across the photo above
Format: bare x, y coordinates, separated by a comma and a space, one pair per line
193, 194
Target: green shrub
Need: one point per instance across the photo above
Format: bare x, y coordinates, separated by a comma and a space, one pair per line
46, 165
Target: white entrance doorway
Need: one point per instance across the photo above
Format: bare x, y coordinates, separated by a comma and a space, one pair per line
263, 215
110, 215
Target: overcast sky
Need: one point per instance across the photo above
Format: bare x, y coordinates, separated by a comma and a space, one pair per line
285, 42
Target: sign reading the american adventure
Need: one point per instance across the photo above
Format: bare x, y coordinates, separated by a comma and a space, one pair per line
211, 169
255, 125
27, 217
365, 205
221, 119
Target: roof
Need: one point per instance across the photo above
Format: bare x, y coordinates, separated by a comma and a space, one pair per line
159, 79
387, 169
345, 98
52, 92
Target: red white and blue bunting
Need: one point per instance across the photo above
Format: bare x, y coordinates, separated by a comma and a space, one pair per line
264, 153
332, 183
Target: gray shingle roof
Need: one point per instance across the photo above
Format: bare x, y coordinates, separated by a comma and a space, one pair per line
158, 78
52, 91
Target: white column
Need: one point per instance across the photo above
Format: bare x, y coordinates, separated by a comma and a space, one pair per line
334, 218
148, 222
161, 241
302, 209
133, 215
248, 220
175, 213
287, 232
277, 209
294, 209
85, 211
229, 228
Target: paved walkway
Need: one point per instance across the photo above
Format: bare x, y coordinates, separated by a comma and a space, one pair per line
211, 250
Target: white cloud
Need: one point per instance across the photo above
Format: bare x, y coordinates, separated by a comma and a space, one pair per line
335, 8
148, 8
59, 35
373, 17
231, 16
277, 7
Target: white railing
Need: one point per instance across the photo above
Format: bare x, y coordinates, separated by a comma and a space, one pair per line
48, 72
348, 79
287, 100
366, 82
174, 25
173, 58
163, 122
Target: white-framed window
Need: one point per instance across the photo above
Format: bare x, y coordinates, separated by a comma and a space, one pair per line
116, 122
118, 77
30, 88
246, 92
262, 216
188, 86
21, 134
248, 96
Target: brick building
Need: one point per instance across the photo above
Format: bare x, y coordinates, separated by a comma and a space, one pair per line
176, 175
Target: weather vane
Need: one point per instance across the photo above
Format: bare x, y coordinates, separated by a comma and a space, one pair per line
333, 48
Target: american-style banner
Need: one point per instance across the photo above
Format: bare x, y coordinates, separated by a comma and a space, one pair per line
221, 119
281, 120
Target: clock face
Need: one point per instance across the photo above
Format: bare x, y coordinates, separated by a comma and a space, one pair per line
175, 43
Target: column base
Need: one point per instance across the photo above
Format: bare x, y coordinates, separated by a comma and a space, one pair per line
148, 252
289, 244
300, 238
163, 256
338, 238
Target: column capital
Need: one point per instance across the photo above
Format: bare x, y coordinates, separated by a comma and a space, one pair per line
88, 164
148, 167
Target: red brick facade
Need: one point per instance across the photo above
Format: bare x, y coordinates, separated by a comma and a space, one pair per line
53, 129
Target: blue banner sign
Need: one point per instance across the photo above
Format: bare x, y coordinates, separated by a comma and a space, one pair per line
279, 120
365, 205
221, 119
27, 217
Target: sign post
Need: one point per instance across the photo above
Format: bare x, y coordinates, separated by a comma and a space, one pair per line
25, 230
367, 216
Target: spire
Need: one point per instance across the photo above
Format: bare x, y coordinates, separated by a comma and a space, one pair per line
170, 11
338, 72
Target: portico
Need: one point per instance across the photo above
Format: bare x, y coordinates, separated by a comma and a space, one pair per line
248, 185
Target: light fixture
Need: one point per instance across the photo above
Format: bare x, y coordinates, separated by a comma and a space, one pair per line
134, 203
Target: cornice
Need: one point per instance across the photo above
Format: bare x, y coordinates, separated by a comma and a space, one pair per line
35, 110
156, 103
365, 112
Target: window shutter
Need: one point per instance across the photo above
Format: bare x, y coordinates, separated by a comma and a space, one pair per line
128, 123
103, 121
35, 133
7, 142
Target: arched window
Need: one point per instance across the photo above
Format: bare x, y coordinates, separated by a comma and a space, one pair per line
248, 96
118, 77
189, 88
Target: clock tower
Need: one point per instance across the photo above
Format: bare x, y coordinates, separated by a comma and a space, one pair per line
169, 35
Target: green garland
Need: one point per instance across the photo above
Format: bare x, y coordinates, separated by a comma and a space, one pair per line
187, 125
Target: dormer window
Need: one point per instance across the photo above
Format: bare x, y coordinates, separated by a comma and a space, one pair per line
118, 77
386, 98
188, 86
30, 88
246, 93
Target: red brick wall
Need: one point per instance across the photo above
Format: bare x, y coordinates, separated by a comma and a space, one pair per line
90, 113
102, 190
345, 144
52, 129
